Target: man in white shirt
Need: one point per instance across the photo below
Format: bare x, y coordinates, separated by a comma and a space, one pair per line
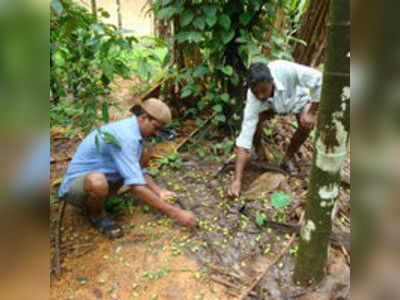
280, 87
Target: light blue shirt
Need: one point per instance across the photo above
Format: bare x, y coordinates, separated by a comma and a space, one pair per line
107, 158
295, 86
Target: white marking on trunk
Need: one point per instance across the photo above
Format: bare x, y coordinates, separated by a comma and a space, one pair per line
307, 230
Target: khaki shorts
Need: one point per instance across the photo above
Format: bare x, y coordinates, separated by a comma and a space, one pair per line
77, 195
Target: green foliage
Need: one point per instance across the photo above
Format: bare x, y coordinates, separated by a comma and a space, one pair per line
85, 57
229, 35
280, 200
223, 148
260, 218
117, 203
173, 160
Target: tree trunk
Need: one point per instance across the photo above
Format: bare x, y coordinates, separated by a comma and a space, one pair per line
330, 149
313, 32
179, 58
119, 14
94, 8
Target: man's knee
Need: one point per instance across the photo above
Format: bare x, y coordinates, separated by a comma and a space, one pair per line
96, 185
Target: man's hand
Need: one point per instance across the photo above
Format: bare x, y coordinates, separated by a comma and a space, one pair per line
166, 195
234, 188
185, 218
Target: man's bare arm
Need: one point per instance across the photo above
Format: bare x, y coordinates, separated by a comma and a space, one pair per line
152, 185
183, 217
241, 161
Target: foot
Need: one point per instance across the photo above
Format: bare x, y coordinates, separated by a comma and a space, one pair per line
234, 188
107, 227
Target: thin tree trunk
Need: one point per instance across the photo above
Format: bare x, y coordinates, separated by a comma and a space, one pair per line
330, 149
94, 8
313, 32
178, 51
119, 14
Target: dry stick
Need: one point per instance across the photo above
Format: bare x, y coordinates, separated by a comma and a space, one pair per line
259, 277
228, 284
224, 272
58, 238
54, 160
194, 132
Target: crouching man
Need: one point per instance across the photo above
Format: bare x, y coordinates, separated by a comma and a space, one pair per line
281, 87
100, 167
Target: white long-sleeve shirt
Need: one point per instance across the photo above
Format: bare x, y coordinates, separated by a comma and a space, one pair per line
295, 86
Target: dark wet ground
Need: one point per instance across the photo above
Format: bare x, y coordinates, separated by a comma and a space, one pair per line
229, 239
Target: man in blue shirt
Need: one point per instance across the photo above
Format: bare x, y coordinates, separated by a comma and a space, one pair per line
100, 166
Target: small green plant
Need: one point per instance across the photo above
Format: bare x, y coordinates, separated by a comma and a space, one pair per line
173, 160
280, 200
117, 203
260, 219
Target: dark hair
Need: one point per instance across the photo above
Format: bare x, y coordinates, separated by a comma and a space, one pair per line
258, 72
137, 110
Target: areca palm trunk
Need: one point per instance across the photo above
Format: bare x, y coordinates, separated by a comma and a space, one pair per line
94, 8
330, 149
119, 14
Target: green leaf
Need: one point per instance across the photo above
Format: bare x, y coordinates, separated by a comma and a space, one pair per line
218, 108
300, 41
277, 40
280, 200
110, 139
228, 37
210, 10
225, 97
261, 59
106, 117
200, 71
199, 122
199, 23
228, 70
57, 6
225, 22
201, 105
211, 20
194, 37
186, 93
276, 53
143, 69
166, 2
260, 219
267, 131
187, 17
220, 118
182, 36
166, 13
245, 18
105, 14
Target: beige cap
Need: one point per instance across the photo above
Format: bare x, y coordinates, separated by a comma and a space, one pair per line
157, 109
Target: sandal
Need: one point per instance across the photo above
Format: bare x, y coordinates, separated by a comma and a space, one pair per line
107, 227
